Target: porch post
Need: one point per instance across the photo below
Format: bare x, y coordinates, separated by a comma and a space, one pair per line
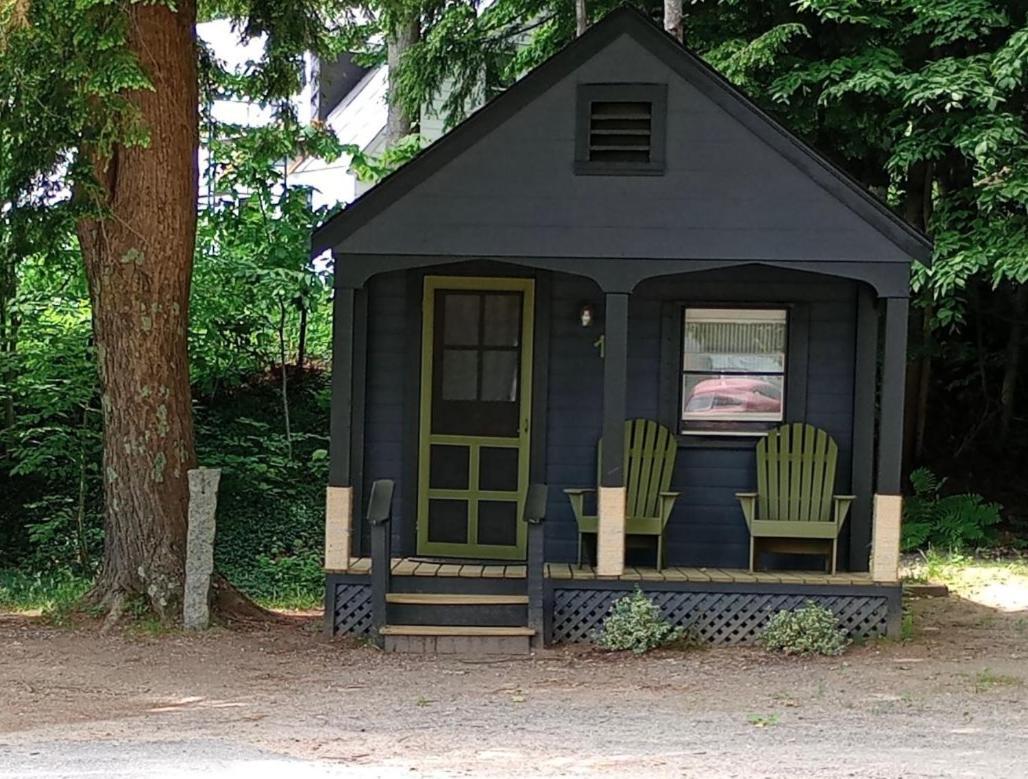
339, 494
610, 540
888, 502
865, 383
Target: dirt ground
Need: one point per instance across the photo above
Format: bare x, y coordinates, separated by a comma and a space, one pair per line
285, 701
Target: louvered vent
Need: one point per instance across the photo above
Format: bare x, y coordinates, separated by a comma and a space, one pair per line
620, 131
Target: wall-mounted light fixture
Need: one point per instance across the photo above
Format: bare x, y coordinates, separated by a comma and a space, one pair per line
586, 316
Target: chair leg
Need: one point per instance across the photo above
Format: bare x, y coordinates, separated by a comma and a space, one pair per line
835, 547
580, 536
753, 559
660, 552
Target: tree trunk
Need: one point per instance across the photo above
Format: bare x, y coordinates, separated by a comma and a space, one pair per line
673, 19
8, 336
301, 340
581, 17
398, 123
138, 263
1012, 364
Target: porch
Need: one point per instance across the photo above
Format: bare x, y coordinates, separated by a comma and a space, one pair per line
424, 568
439, 603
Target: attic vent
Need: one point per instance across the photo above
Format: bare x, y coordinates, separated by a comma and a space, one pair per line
621, 129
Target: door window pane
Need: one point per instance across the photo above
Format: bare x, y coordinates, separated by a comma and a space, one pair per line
502, 320
497, 522
448, 521
460, 319
498, 468
500, 375
460, 374
448, 467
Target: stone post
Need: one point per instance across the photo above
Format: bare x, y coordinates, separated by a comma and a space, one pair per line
203, 502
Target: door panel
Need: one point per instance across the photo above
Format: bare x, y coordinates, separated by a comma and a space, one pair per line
475, 404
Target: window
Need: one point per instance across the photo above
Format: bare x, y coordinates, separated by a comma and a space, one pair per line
733, 369
621, 129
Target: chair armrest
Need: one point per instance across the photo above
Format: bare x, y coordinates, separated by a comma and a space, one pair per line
748, 503
669, 494
578, 491
842, 508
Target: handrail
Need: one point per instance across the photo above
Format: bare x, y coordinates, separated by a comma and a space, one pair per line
380, 507
535, 563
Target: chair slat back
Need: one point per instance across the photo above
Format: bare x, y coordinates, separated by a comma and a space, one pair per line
796, 474
650, 451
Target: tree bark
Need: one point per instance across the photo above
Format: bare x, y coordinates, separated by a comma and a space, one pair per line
399, 123
301, 340
581, 17
673, 19
1012, 363
139, 262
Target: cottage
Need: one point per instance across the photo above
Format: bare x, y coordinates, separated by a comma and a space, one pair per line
620, 237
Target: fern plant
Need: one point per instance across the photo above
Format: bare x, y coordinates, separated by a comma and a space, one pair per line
952, 522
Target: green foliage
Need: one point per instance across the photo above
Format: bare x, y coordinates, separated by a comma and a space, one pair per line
635, 623
55, 595
808, 630
951, 522
270, 524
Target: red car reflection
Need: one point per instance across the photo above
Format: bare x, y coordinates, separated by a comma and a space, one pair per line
734, 394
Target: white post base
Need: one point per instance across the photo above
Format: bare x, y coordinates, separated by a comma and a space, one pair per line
610, 540
885, 538
338, 525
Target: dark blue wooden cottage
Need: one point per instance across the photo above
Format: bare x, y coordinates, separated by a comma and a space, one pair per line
621, 235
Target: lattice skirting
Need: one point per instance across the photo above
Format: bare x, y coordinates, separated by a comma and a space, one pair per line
352, 609
715, 617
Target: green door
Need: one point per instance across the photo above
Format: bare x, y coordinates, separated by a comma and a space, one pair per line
476, 378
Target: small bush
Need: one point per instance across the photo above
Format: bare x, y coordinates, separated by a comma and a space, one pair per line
809, 630
950, 522
635, 623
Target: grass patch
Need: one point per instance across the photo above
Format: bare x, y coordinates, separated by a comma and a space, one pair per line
54, 595
986, 679
997, 582
299, 600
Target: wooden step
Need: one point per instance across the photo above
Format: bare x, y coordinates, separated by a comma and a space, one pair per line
455, 599
454, 630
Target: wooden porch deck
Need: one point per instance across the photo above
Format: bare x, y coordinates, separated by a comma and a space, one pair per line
413, 566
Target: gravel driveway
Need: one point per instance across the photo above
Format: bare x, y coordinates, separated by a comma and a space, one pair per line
285, 702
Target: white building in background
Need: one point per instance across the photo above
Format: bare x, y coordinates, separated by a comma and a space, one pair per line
348, 98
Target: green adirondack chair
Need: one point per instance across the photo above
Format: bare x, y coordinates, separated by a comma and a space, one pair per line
794, 501
650, 450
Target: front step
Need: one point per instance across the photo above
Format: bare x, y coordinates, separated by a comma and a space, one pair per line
455, 599
457, 639
457, 609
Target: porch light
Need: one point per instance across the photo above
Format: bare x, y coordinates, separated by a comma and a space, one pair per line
585, 316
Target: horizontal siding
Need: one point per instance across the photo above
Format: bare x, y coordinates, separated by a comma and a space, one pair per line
384, 421
706, 527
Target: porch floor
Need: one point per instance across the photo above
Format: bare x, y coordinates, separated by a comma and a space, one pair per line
413, 566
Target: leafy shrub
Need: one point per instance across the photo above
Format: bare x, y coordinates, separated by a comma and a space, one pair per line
635, 622
950, 522
808, 630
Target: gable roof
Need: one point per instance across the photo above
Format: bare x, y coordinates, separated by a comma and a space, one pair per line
626, 21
